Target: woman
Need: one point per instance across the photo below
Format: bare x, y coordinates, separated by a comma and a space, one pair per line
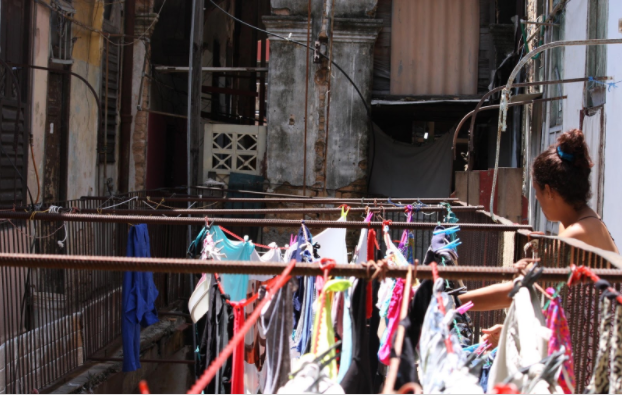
561, 179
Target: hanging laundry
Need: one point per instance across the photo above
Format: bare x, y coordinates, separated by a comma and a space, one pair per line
311, 379
138, 296
393, 316
607, 374
557, 323
198, 304
438, 365
255, 341
234, 284
276, 327
217, 331
523, 342
323, 331
355, 362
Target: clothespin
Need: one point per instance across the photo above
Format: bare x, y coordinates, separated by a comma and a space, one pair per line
409, 213
465, 307
385, 225
447, 231
453, 245
207, 224
345, 209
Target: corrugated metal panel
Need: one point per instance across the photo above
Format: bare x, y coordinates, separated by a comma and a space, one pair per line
434, 47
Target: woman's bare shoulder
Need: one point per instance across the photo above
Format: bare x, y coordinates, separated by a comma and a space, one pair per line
591, 231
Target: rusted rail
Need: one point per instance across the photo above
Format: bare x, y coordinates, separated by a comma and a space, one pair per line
159, 265
157, 220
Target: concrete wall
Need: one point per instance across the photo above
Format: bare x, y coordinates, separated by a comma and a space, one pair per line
347, 122
612, 210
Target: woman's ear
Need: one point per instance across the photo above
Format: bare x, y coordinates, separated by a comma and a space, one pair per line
548, 192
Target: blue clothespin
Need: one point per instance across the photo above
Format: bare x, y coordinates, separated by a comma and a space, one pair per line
453, 245
447, 231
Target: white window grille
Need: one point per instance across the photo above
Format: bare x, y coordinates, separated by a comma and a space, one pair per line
233, 149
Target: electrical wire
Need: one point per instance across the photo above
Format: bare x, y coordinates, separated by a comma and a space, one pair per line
358, 91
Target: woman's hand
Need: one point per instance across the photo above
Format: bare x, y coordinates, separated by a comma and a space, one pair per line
492, 335
525, 263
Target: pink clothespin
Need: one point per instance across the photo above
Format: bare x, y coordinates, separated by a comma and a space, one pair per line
464, 308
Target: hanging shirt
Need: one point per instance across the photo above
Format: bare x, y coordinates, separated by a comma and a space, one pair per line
557, 323
384, 353
276, 327
355, 362
323, 337
234, 284
523, 341
138, 296
255, 341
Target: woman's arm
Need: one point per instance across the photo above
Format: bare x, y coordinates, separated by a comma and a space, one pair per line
492, 297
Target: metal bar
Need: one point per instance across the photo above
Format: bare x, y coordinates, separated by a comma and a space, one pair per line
493, 107
167, 265
173, 69
520, 85
368, 201
173, 361
129, 219
127, 75
306, 210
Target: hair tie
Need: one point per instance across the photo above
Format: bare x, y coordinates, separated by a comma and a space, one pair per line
564, 156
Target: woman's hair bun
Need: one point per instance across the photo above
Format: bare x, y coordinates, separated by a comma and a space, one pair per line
573, 143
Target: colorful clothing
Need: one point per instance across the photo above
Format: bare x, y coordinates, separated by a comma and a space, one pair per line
557, 323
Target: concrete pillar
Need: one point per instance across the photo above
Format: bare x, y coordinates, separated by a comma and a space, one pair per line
355, 32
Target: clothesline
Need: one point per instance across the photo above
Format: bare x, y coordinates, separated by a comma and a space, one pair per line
249, 222
167, 265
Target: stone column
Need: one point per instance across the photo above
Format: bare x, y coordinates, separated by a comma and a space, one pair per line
354, 35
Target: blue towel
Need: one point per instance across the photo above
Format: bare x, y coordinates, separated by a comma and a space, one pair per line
139, 295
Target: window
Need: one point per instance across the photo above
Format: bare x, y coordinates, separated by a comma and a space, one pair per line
61, 40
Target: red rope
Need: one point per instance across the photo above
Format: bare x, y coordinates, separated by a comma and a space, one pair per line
211, 371
230, 233
582, 273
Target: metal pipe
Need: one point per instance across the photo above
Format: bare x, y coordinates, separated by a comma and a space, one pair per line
156, 220
507, 92
306, 210
162, 265
520, 85
172, 69
167, 361
496, 106
126, 99
361, 201
106, 114
304, 161
329, 93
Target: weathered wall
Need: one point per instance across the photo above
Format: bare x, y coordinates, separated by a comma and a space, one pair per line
83, 119
612, 210
354, 39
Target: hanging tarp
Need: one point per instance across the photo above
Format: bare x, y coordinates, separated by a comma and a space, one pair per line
406, 170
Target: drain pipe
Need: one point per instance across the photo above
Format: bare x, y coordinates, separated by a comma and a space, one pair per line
126, 99
507, 93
